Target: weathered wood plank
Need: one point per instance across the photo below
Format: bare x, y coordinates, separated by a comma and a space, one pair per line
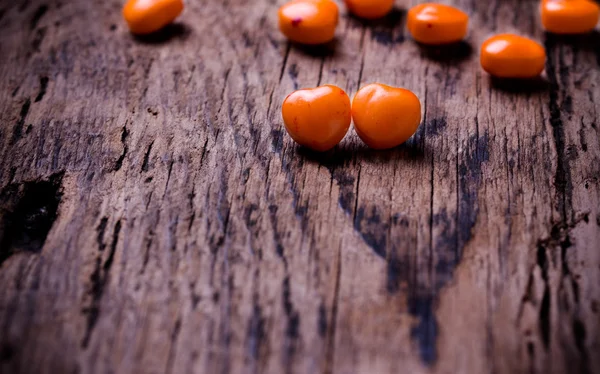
155, 217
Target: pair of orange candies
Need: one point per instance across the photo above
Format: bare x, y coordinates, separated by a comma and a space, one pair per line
319, 118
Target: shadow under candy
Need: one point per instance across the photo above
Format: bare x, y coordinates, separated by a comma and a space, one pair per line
317, 50
520, 86
455, 52
411, 150
166, 34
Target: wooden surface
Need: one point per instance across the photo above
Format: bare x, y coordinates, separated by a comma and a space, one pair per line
155, 217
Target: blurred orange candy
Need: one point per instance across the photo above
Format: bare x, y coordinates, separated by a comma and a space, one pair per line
384, 116
317, 118
512, 56
309, 21
148, 16
432, 23
370, 9
569, 16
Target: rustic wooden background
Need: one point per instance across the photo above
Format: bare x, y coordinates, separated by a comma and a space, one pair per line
155, 217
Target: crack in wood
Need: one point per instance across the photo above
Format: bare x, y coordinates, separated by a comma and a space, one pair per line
101, 229
292, 329
18, 129
145, 163
331, 331
124, 135
37, 16
97, 286
550, 252
43, 87
28, 211
38, 38
173, 347
562, 178
285, 59
257, 330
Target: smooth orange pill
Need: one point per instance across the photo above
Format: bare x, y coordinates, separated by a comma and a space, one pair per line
148, 16
569, 16
309, 21
317, 118
432, 23
512, 56
384, 116
369, 9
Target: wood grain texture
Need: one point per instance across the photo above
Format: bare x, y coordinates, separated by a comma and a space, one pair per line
155, 217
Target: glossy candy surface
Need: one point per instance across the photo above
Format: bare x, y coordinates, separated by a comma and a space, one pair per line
148, 16
317, 118
309, 21
432, 23
369, 9
385, 116
512, 56
569, 16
